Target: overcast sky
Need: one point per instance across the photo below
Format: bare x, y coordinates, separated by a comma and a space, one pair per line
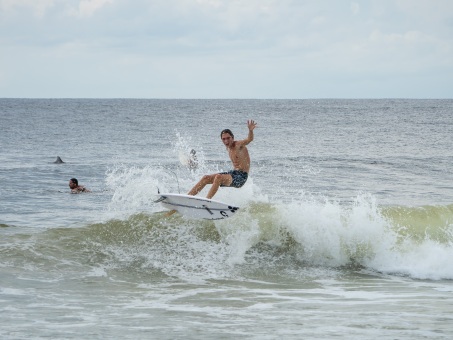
226, 48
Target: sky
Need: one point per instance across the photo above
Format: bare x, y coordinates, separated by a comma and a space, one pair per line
276, 49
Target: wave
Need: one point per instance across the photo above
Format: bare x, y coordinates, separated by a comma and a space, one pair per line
422, 223
263, 237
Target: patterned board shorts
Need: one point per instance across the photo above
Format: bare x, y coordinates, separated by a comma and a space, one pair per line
239, 177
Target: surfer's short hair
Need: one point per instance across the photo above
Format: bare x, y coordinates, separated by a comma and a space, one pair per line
75, 181
226, 131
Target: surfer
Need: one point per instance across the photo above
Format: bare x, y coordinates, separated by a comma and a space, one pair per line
240, 158
75, 187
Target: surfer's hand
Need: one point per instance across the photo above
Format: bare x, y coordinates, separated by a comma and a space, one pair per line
251, 124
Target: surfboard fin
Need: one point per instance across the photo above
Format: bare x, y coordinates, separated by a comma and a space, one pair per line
160, 199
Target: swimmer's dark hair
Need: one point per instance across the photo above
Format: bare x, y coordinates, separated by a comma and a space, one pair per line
226, 131
75, 181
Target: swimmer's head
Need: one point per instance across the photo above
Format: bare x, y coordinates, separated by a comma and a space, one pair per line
73, 183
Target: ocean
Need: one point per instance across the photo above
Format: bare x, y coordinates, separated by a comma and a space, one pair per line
345, 226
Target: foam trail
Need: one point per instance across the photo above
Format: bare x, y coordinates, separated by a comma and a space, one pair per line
135, 188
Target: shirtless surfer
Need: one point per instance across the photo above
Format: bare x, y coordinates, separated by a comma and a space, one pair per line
240, 158
75, 187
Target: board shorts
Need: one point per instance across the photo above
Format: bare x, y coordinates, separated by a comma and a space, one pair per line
239, 178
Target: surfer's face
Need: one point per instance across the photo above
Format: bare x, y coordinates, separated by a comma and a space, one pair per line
227, 139
72, 185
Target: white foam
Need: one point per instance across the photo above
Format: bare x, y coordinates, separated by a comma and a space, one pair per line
331, 234
327, 233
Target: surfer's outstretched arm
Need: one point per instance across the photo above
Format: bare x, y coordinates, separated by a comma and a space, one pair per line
251, 125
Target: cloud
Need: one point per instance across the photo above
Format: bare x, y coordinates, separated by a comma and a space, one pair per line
83, 8
259, 48
38, 7
87, 8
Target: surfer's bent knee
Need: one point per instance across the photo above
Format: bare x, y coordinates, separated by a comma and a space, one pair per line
217, 177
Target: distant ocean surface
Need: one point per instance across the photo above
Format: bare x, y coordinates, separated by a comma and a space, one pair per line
345, 227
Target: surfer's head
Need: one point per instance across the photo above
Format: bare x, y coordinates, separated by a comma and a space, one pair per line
227, 136
228, 131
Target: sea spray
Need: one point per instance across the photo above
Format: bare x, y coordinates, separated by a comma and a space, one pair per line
331, 234
190, 155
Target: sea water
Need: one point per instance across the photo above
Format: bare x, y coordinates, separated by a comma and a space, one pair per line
345, 227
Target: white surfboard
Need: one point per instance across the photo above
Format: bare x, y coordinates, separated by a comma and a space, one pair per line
197, 207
